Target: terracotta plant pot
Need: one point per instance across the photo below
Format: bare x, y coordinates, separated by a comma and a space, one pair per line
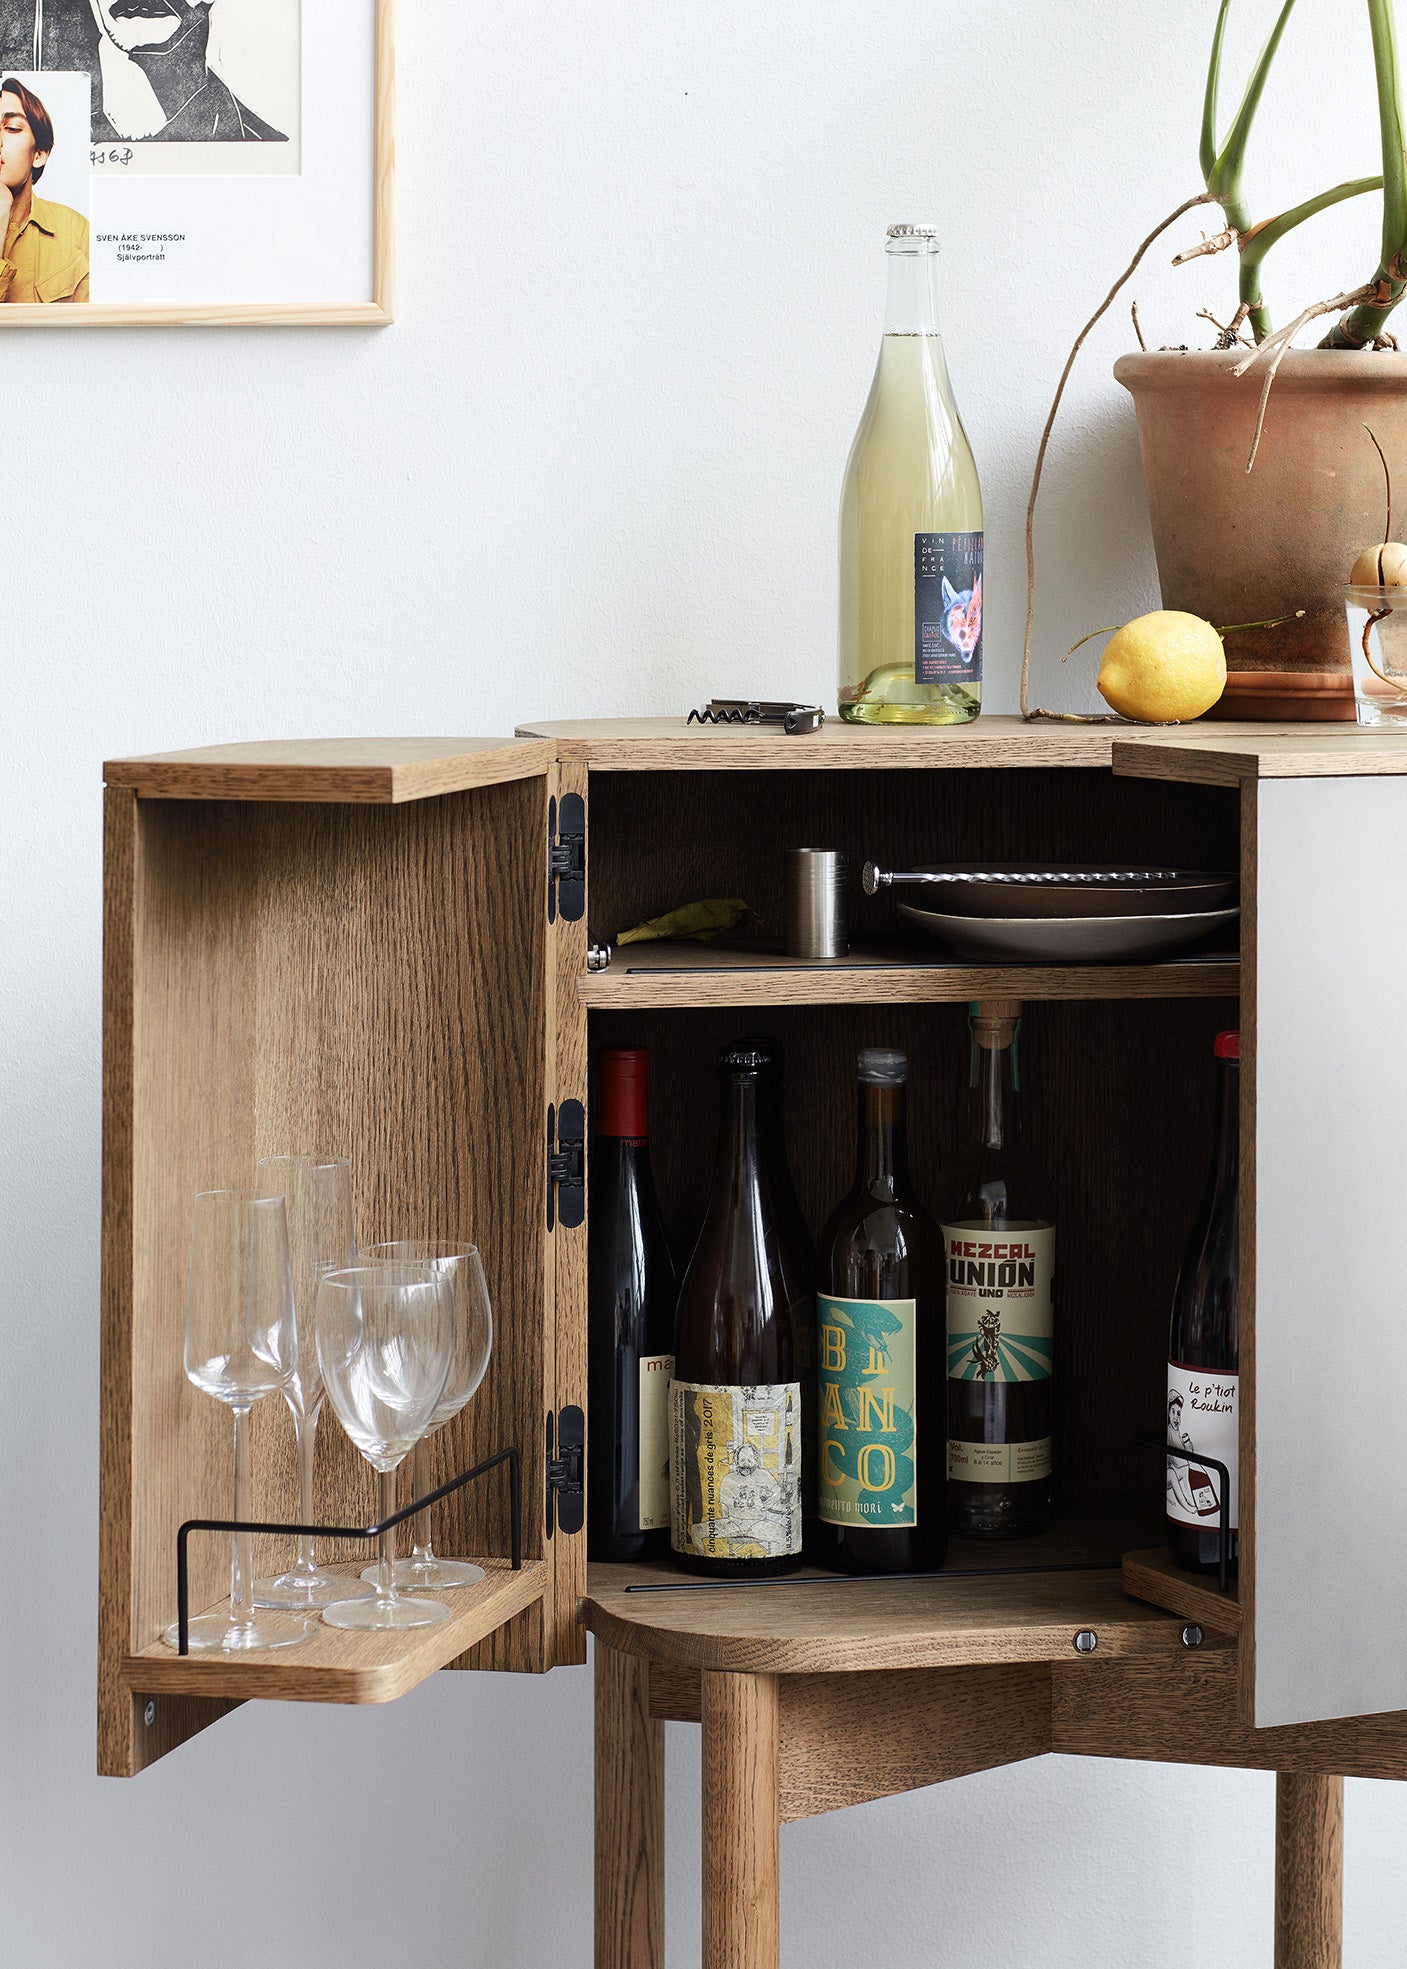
1239, 547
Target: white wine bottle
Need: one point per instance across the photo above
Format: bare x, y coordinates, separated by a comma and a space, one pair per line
911, 522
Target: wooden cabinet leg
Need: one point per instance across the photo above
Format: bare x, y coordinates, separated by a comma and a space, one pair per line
629, 1816
741, 1817
1308, 1872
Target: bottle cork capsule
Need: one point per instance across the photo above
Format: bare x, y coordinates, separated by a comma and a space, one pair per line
994, 1027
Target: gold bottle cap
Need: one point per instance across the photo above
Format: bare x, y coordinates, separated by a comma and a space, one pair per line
994, 1026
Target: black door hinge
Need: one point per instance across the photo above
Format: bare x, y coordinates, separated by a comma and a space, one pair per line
566, 1165
566, 1471
566, 858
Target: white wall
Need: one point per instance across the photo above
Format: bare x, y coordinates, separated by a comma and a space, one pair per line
593, 469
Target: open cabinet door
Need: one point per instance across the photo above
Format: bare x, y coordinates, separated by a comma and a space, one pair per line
342, 947
1324, 1237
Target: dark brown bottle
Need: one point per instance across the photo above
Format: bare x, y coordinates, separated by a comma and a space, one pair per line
736, 1438
1203, 1356
797, 1251
999, 1238
630, 1323
882, 1476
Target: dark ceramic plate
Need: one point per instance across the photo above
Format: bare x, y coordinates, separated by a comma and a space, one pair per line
1189, 891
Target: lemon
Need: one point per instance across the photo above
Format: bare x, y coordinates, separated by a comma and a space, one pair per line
1163, 667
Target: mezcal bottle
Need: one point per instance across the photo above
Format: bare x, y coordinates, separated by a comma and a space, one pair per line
911, 522
999, 1238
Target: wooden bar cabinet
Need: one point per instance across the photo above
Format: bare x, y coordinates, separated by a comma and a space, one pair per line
385, 946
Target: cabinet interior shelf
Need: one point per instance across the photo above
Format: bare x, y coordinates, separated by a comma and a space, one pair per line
341, 1664
979, 1610
683, 975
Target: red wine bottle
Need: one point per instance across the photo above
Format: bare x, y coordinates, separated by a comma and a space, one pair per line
630, 1323
882, 1480
1203, 1382
736, 1436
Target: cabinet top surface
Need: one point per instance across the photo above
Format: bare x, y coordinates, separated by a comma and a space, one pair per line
374, 770
390, 770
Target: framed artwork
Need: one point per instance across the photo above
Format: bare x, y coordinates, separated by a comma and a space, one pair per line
186, 161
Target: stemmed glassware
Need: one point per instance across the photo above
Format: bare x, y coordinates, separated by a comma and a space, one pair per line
461, 1270
241, 1344
318, 1194
385, 1339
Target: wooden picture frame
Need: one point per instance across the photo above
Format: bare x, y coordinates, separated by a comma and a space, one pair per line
377, 309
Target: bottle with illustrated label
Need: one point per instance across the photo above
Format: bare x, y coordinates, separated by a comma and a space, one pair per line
630, 1322
1203, 1383
797, 1252
881, 1476
911, 522
999, 1248
736, 1423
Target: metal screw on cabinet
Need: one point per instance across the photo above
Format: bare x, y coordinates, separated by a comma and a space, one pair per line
1086, 1641
150, 1713
1192, 1636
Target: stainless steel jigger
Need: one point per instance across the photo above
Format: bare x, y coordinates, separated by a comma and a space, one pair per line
814, 886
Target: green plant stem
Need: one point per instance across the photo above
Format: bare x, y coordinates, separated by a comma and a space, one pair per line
1221, 169
1258, 240
1365, 323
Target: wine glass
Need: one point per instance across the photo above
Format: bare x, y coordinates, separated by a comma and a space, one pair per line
461, 1269
241, 1344
318, 1194
385, 1337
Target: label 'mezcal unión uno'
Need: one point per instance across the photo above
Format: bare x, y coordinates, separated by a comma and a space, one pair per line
868, 1392
948, 608
1001, 1329
736, 1470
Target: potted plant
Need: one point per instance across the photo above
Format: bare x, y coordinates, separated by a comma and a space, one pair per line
1262, 484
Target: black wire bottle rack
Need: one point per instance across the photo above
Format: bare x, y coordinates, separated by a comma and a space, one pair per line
347, 1532
1158, 1439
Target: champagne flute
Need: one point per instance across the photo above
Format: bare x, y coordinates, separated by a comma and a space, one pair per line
385, 1339
241, 1344
318, 1195
461, 1270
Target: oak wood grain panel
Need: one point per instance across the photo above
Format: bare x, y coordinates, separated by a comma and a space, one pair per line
669, 745
667, 976
1120, 1100
741, 1854
849, 1738
1308, 1871
567, 1052
1153, 1577
629, 1843
676, 1694
343, 1664
832, 1625
333, 977
381, 771
1185, 1711
1225, 758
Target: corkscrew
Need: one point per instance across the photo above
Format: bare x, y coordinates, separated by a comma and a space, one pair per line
796, 720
